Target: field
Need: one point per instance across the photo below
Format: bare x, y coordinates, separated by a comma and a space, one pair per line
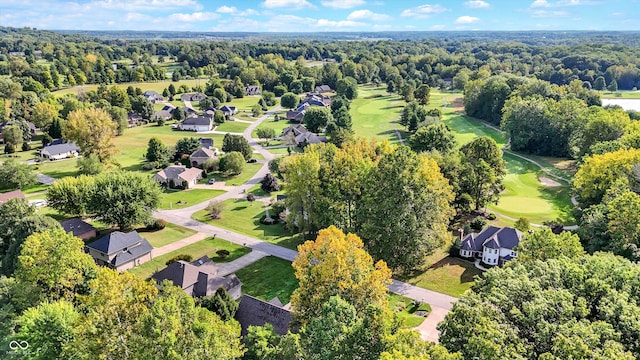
620, 94
179, 199
204, 247
375, 114
171, 233
268, 278
156, 86
232, 126
242, 216
278, 126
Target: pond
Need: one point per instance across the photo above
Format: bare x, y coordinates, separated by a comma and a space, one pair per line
626, 104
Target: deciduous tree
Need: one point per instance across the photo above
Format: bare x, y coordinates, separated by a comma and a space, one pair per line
483, 170
542, 244
317, 118
237, 143
433, 137
232, 163
92, 130
14, 175
289, 100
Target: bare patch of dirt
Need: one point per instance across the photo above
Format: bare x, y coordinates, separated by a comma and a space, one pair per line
457, 104
548, 182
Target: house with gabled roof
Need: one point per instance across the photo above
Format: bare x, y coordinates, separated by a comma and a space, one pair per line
206, 142
198, 157
229, 110
152, 96
193, 97
256, 312
251, 90
120, 251
493, 245
197, 281
197, 123
178, 176
322, 89
79, 228
60, 151
15, 194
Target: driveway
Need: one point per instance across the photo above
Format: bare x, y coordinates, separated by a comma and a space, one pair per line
47, 180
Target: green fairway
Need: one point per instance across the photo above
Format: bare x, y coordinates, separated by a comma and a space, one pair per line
466, 129
204, 247
375, 114
244, 217
268, 278
171, 233
232, 126
178, 199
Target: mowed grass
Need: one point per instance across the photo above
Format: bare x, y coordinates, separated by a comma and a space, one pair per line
232, 126
623, 94
277, 126
156, 86
244, 103
208, 247
242, 216
267, 278
445, 274
466, 129
375, 113
405, 309
178, 199
171, 233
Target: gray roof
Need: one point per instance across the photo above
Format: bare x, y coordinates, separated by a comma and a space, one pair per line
228, 109
206, 142
76, 226
59, 149
203, 153
193, 97
127, 246
197, 120
297, 129
184, 275
493, 238
310, 138
256, 312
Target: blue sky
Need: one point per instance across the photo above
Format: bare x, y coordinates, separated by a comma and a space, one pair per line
321, 15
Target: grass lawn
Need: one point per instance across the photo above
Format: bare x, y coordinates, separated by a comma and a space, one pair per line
58, 168
466, 129
170, 199
171, 233
267, 278
278, 126
374, 114
624, 94
284, 151
204, 247
249, 171
245, 103
405, 309
445, 274
232, 126
156, 86
243, 217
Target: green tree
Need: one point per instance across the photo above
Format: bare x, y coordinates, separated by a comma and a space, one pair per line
289, 100
483, 171
392, 228
613, 85
407, 345
600, 83
347, 87
55, 130
542, 244
269, 183
256, 110
184, 146
92, 130
337, 264
124, 198
433, 137
413, 116
159, 152
20, 231
14, 175
624, 224
317, 118
218, 117
220, 303
72, 195
13, 136
142, 106
43, 115
232, 163
422, 94
220, 94
522, 224
266, 134
237, 143
89, 165
279, 90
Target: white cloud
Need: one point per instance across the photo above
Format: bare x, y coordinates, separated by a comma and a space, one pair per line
227, 9
477, 4
367, 15
342, 4
548, 14
467, 20
129, 5
294, 4
425, 10
196, 16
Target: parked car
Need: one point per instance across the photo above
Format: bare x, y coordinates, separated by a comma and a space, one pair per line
38, 203
251, 161
212, 181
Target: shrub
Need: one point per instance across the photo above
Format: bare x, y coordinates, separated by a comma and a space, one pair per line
183, 257
223, 253
478, 223
211, 165
269, 183
522, 224
214, 209
26, 146
157, 224
278, 207
251, 197
491, 216
9, 149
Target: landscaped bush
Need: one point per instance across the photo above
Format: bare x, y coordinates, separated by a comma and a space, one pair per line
223, 253
214, 209
269, 183
491, 216
157, 224
277, 208
251, 197
183, 257
478, 223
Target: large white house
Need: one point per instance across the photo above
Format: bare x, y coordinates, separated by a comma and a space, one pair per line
60, 151
197, 123
493, 245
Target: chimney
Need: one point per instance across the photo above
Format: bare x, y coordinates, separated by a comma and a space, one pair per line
461, 231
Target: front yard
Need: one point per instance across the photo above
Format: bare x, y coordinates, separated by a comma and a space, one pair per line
267, 278
171, 233
178, 199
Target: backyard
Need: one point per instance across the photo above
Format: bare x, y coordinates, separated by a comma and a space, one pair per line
267, 278
171, 233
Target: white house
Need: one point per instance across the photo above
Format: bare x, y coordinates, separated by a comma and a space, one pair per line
178, 175
493, 245
198, 124
60, 151
229, 110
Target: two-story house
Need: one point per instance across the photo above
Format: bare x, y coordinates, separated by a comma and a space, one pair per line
120, 251
493, 245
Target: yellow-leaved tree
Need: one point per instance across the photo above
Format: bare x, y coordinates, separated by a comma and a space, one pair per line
337, 264
92, 130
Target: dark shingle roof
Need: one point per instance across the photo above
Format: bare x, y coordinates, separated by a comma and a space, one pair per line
256, 312
60, 149
492, 238
203, 153
116, 241
197, 120
180, 273
206, 142
184, 275
76, 226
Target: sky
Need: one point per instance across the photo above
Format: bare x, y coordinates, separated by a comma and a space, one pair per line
321, 15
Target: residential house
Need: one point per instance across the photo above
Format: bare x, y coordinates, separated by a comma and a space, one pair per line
152, 96
178, 176
251, 90
317, 99
322, 89
199, 278
79, 228
120, 251
133, 119
206, 143
37, 54
296, 130
190, 112
32, 128
165, 113
15, 194
60, 151
302, 136
210, 113
16, 53
493, 245
256, 312
201, 155
193, 97
229, 110
197, 123
329, 60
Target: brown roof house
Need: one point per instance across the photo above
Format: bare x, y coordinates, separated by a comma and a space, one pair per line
178, 176
201, 155
15, 194
256, 312
199, 280
79, 228
120, 251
